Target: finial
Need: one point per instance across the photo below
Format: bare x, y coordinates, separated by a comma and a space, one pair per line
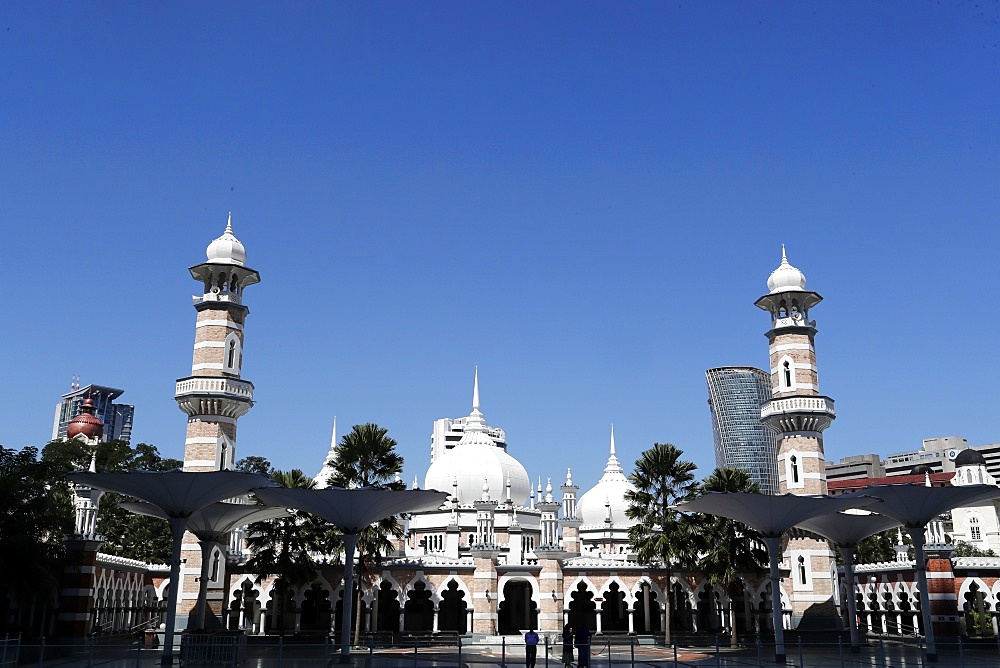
784, 258
569, 477
93, 462
229, 223
486, 489
508, 487
612, 438
548, 491
416, 485
475, 391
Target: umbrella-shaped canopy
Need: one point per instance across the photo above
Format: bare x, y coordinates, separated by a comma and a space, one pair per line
351, 510
916, 505
769, 514
212, 521
847, 529
176, 493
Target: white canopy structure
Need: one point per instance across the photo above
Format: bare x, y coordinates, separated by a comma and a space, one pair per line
210, 525
772, 516
178, 495
351, 510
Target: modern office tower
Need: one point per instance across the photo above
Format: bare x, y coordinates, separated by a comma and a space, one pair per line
117, 418
798, 414
735, 395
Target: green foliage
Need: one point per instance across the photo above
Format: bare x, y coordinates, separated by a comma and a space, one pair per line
254, 464
366, 457
125, 534
661, 534
282, 546
878, 548
33, 521
965, 549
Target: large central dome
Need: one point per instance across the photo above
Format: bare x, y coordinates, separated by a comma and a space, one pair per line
476, 459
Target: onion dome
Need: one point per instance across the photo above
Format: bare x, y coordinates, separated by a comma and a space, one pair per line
785, 277
86, 423
227, 249
607, 497
476, 461
969, 457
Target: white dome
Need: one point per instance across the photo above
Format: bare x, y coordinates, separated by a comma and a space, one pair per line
610, 489
227, 249
785, 277
474, 462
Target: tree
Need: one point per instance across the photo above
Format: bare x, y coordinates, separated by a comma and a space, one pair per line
125, 534
366, 457
878, 548
730, 550
282, 546
662, 535
964, 549
254, 464
33, 521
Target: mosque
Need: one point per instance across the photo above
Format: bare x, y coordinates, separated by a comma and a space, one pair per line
501, 555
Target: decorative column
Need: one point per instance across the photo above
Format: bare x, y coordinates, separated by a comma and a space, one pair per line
214, 396
799, 414
485, 597
77, 586
550, 554
570, 520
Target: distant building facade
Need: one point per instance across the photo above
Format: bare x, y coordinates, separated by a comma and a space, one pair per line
735, 395
117, 418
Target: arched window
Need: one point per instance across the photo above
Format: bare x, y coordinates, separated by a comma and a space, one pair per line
233, 354
794, 461
802, 569
786, 374
975, 531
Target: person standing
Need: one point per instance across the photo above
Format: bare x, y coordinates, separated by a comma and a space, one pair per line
530, 648
567, 647
582, 637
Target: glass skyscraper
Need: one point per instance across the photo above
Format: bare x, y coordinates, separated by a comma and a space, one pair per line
735, 395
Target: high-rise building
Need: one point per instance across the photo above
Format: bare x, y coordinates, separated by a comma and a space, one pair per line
117, 418
735, 395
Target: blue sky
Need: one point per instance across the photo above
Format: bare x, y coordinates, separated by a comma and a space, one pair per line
583, 199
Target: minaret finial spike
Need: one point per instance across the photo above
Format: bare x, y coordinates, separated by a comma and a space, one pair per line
229, 223
612, 438
784, 258
475, 391
333, 435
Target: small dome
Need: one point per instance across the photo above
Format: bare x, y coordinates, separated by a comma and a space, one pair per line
785, 277
921, 469
86, 423
227, 249
607, 495
969, 457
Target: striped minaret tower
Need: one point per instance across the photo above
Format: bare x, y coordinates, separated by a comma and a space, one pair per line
798, 414
214, 396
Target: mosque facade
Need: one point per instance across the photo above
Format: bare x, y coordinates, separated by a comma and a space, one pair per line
502, 555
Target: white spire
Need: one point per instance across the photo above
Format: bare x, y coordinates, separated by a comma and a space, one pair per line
486, 488
416, 484
613, 465
327, 470
93, 462
229, 224
475, 391
612, 438
508, 488
548, 491
569, 477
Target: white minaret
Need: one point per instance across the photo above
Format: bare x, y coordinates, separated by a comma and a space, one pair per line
214, 396
799, 414
327, 470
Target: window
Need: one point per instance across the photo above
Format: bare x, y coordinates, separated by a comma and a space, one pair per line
794, 461
786, 370
975, 531
802, 570
233, 354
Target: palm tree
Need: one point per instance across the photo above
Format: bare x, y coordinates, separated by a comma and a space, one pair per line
366, 457
734, 550
662, 535
282, 547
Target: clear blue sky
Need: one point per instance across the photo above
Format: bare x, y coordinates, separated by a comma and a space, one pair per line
583, 199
